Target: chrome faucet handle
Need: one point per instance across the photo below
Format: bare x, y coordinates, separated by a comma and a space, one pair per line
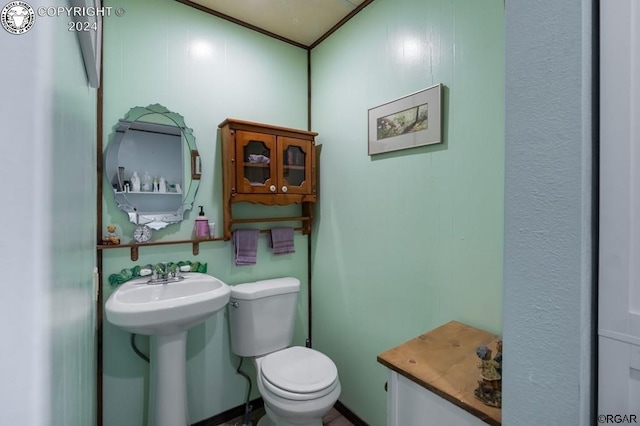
165, 269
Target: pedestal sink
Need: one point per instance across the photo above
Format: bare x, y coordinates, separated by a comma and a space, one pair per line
165, 312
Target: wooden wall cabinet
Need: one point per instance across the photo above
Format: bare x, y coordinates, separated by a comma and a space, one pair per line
269, 165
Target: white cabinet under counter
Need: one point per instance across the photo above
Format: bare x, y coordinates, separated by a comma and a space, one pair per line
432, 379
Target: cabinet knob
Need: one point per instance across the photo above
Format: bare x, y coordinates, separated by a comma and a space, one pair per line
284, 189
272, 188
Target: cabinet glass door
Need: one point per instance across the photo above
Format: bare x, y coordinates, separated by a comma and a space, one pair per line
296, 166
257, 158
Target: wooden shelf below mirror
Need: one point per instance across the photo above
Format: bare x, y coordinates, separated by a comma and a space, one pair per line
134, 247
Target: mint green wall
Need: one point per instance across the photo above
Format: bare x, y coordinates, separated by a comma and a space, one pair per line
49, 116
406, 241
73, 257
206, 69
403, 242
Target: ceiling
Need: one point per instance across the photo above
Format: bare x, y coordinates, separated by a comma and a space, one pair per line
304, 23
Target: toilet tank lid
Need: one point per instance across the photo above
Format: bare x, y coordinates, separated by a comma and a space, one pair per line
265, 288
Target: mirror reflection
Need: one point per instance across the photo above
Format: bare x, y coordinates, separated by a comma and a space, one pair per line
148, 165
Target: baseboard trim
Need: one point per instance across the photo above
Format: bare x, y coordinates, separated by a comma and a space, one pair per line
230, 414
349, 415
259, 403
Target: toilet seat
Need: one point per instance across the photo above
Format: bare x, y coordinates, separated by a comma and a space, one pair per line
298, 373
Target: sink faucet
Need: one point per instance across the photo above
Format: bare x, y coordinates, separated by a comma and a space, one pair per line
165, 276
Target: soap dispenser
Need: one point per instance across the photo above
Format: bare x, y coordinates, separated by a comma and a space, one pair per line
202, 226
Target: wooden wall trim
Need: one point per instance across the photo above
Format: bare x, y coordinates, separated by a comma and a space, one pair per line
241, 23
349, 415
341, 23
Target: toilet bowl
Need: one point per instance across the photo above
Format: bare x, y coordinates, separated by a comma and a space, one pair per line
298, 385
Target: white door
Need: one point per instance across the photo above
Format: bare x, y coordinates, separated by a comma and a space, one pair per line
619, 252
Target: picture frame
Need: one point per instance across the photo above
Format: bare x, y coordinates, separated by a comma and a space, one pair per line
89, 30
407, 122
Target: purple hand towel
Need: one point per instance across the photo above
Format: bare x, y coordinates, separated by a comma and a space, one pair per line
281, 240
245, 243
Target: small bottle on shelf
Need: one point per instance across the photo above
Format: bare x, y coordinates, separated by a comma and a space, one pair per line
146, 182
135, 182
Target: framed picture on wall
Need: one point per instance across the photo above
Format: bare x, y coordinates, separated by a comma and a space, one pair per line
407, 122
88, 26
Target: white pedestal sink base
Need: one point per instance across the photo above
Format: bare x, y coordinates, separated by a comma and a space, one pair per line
168, 383
165, 312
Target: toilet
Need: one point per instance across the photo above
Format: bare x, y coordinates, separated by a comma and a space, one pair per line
298, 385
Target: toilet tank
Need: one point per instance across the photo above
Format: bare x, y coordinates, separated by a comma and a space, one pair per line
262, 315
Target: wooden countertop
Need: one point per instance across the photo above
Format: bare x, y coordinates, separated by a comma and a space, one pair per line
444, 361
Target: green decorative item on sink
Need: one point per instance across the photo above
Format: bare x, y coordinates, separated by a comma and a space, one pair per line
140, 271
